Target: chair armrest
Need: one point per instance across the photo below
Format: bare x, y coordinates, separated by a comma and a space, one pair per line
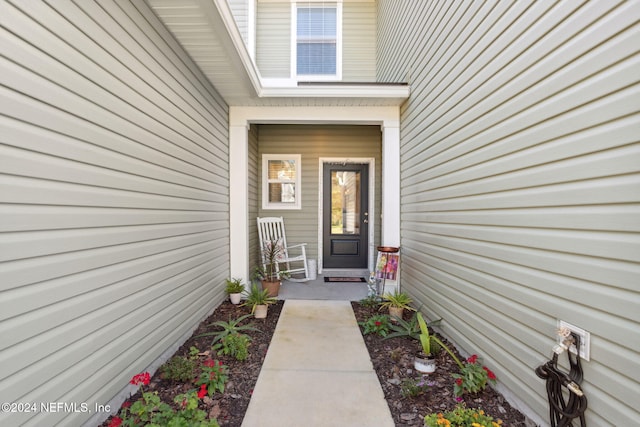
297, 246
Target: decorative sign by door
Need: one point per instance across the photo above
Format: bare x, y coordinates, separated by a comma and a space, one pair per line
386, 272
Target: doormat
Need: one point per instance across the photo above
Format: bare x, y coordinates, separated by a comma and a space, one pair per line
345, 279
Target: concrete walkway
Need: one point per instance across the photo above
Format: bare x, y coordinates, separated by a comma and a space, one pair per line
317, 372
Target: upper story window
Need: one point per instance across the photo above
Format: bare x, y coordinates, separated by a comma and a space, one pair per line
317, 41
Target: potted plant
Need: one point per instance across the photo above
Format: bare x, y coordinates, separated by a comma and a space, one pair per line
270, 274
425, 361
396, 303
259, 301
234, 290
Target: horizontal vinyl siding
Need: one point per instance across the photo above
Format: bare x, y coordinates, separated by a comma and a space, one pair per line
113, 201
240, 10
520, 171
313, 142
273, 39
359, 41
254, 163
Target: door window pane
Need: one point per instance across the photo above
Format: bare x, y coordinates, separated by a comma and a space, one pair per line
345, 202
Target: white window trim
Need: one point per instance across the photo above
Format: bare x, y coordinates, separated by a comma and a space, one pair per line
294, 45
297, 159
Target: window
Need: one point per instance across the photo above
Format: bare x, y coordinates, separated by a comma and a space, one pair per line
281, 182
317, 41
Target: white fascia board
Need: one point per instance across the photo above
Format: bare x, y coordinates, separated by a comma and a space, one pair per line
223, 12
338, 91
386, 116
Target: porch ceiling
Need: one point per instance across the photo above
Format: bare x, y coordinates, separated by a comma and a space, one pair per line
207, 31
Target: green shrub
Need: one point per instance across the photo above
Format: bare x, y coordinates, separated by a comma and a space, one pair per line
178, 368
234, 345
378, 324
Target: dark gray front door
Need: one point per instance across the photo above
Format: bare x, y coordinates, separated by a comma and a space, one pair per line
345, 215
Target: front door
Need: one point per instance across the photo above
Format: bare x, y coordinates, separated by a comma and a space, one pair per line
345, 215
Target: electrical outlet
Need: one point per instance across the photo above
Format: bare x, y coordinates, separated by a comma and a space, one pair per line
585, 339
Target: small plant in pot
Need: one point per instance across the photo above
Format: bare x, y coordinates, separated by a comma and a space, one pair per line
396, 303
234, 289
269, 273
425, 361
259, 300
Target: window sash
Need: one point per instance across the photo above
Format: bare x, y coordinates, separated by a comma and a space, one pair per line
281, 181
317, 40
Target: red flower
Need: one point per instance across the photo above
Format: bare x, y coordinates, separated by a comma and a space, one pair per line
115, 422
490, 374
126, 404
473, 359
209, 363
203, 391
143, 378
459, 381
378, 323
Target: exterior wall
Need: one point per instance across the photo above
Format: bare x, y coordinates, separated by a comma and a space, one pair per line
314, 142
273, 39
359, 34
240, 10
359, 41
114, 195
254, 163
520, 170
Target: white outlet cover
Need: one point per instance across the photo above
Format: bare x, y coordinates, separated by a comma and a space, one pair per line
585, 339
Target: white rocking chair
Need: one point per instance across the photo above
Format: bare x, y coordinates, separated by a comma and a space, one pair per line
271, 229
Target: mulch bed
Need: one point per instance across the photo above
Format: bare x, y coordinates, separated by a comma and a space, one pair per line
393, 362
392, 359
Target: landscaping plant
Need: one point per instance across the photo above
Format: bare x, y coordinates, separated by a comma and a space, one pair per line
378, 324
232, 327
473, 377
409, 329
178, 368
414, 387
396, 299
234, 345
461, 417
151, 411
213, 376
256, 296
234, 286
370, 301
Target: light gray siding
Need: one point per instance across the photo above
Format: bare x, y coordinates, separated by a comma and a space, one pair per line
240, 10
313, 142
273, 39
113, 200
253, 195
358, 40
520, 171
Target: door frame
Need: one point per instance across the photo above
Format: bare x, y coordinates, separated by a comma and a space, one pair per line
371, 162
